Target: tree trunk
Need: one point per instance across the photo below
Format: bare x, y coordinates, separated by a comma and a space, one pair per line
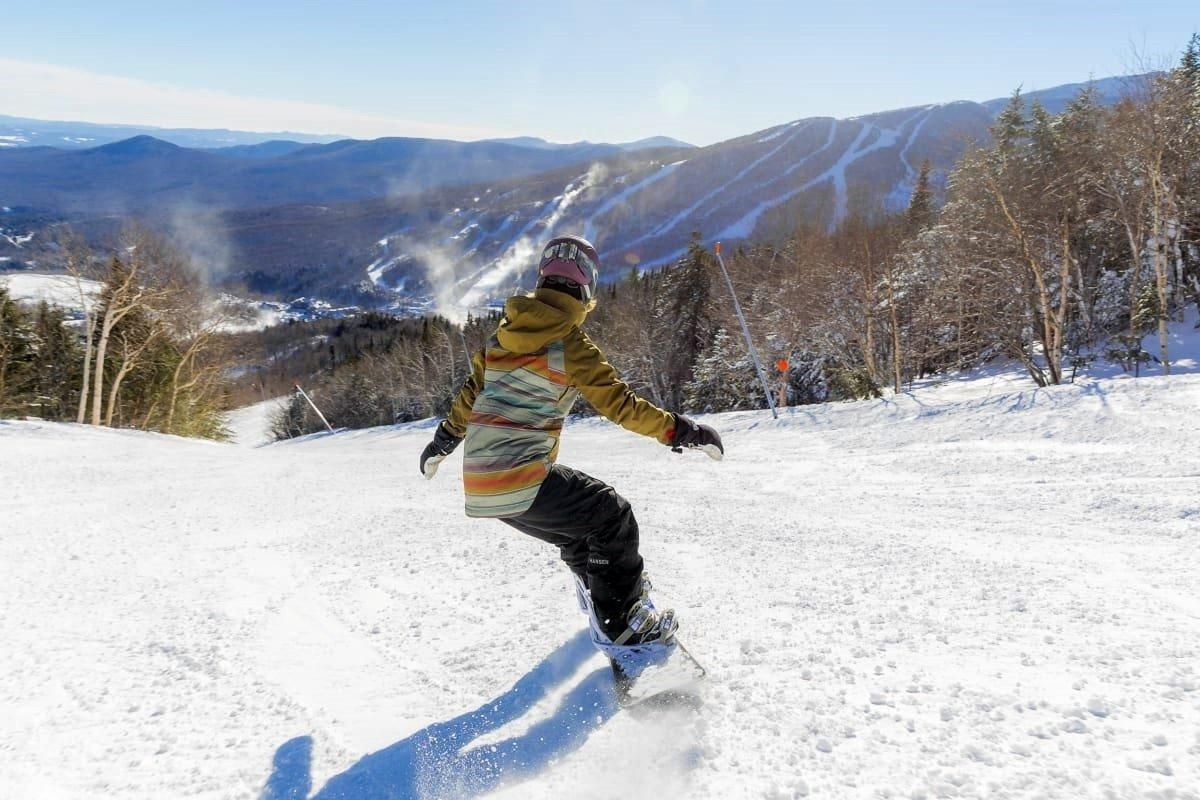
113, 391
1047, 319
128, 364
1135, 281
176, 387
895, 316
87, 362
101, 354
869, 301
1064, 297
1160, 268
869, 350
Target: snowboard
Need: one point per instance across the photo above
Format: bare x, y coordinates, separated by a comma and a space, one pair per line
655, 674
669, 677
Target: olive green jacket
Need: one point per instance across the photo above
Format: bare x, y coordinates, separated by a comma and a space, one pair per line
522, 385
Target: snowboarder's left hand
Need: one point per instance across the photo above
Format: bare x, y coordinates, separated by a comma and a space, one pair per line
689, 433
443, 444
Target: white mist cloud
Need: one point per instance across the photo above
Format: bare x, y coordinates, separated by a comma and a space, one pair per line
198, 232
47, 91
440, 268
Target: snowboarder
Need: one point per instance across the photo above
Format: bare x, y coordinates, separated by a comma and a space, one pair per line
511, 411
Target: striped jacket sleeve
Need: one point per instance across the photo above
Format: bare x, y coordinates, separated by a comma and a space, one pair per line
599, 383
456, 420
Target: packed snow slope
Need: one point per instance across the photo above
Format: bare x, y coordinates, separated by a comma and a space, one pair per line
969, 591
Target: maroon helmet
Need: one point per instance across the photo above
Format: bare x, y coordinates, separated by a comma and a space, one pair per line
571, 264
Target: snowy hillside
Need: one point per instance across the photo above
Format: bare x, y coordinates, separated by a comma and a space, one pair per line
232, 314
972, 591
57, 290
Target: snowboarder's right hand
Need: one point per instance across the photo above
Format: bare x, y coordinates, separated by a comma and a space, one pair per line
443, 444
688, 433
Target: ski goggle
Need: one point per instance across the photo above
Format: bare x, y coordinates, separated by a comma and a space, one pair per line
569, 261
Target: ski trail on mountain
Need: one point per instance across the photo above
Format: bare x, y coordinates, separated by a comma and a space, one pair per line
779, 131
833, 126
744, 226
589, 227
903, 188
520, 250
724, 187
752, 217
912, 138
385, 264
887, 138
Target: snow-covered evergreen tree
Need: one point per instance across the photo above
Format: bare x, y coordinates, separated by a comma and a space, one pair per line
724, 378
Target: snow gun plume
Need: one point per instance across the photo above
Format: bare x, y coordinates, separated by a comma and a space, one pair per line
522, 253
440, 273
199, 235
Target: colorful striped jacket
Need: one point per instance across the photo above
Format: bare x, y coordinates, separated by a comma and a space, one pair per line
522, 386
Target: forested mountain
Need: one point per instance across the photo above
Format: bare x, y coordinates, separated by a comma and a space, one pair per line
392, 221
639, 208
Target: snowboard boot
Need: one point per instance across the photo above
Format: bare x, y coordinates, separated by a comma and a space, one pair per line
646, 624
648, 641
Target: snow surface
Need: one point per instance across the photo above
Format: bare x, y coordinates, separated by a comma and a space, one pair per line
59, 290
972, 590
249, 425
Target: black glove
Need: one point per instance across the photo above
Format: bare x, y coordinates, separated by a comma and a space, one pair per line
692, 434
443, 444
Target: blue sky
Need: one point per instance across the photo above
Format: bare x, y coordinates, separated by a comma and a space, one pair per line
697, 70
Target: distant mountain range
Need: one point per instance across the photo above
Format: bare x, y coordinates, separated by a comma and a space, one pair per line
397, 219
640, 144
143, 174
26, 132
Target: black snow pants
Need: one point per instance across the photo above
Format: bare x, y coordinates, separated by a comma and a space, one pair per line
595, 532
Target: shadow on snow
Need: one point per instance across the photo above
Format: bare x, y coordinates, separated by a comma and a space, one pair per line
435, 762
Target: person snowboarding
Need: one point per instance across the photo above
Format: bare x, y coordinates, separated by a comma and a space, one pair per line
511, 410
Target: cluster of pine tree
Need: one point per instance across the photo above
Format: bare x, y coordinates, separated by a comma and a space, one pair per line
40, 361
376, 370
144, 355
